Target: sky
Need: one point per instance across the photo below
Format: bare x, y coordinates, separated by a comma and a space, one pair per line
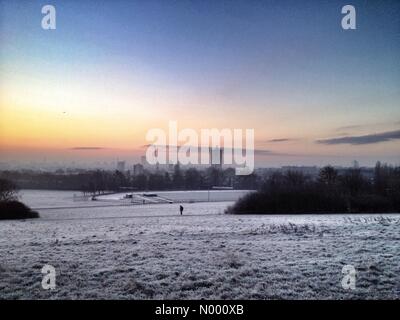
314, 93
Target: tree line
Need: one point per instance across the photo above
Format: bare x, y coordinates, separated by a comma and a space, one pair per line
330, 192
100, 181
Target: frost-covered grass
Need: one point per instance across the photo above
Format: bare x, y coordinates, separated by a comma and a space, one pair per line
150, 252
188, 196
53, 198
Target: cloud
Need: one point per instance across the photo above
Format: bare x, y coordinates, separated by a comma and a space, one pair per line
279, 140
365, 139
275, 140
263, 152
351, 127
365, 126
87, 148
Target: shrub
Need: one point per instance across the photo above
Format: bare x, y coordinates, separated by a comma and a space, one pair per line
371, 203
8, 190
16, 210
350, 192
290, 200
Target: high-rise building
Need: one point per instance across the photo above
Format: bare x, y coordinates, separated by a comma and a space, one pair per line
143, 161
121, 166
138, 169
216, 156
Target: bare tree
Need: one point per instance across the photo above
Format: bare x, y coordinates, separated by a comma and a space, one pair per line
8, 190
328, 175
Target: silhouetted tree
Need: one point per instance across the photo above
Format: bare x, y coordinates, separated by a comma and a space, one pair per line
8, 190
353, 181
167, 181
295, 178
156, 182
328, 175
177, 178
247, 182
140, 182
192, 179
213, 176
228, 177
120, 180
381, 178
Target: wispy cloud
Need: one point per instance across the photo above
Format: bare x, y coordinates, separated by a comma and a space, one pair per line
275, 140
280, 140
351, 127
366, 126
87, 148
263, 152
364, 139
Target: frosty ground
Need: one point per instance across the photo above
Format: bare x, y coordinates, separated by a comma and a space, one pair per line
151, 252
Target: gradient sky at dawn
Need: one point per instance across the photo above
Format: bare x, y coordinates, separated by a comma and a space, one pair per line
114, 69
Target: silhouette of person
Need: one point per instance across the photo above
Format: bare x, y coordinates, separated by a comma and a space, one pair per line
181, 209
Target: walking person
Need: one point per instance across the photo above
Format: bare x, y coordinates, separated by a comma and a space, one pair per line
181, 209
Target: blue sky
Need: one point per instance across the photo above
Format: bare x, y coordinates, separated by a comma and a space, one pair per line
285, 68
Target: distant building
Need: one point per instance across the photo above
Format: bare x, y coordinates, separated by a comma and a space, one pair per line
121, 166
143, 161
356, 165
138, 169
216, 157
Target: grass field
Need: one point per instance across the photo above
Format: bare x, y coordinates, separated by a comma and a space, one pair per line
150, 252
